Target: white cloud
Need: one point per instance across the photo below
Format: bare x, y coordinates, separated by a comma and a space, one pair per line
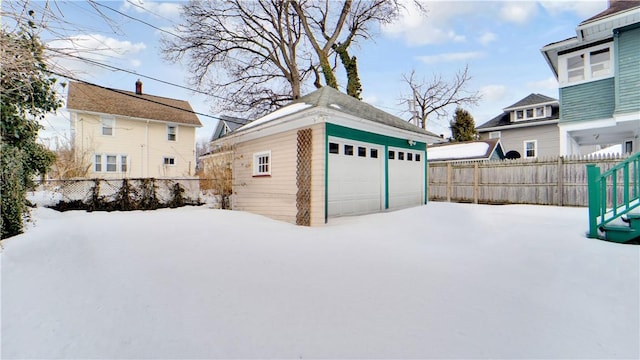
487, 38
519, 12
91, 47
493, 92
163, 9
436, 27
549, 83
584, 9
432, 59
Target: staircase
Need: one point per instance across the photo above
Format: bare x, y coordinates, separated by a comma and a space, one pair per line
614, 202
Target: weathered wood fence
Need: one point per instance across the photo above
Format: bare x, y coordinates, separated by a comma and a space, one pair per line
558, 181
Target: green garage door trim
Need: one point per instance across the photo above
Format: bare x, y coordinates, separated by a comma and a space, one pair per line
365, 136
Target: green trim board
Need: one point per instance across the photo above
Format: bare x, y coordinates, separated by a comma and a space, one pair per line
379, 139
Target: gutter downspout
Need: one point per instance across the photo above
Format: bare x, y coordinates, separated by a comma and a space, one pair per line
147, 145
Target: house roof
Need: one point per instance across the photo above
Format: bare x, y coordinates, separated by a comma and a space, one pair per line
615, 6
532, 99
330, 98
233, 123
504, 119
94, 98
468, 150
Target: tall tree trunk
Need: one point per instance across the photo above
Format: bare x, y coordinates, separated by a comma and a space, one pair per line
354, 86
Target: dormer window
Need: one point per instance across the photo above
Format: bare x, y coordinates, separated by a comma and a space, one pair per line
540, 111
536, 112
585, 65
520, 114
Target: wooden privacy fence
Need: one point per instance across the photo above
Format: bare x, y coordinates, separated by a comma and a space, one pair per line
558, 181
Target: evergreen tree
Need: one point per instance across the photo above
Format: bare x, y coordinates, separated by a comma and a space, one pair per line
463, 128
27, 93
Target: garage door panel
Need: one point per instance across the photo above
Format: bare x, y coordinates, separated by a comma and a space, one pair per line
354, 182
406, 178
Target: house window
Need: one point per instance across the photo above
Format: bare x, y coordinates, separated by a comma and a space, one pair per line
348, 149
520, 114
530, 148
529, 113
494, 135
171, 133
392, 155
97, 164
540, 111
409, 156
600, 63
107, 123
362, 151
575, 68
400, 155
111, 163
123, 163
169, 161
628, 146
334, 148
417, 157
374, 153
585, 65
262, 163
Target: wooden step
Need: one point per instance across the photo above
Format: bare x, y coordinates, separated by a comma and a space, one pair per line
620, 233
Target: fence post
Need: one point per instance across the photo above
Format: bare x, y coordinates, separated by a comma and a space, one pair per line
448, 182
475, 182
560, 182
593, 185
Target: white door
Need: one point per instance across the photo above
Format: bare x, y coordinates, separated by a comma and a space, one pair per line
355, 177
406, 178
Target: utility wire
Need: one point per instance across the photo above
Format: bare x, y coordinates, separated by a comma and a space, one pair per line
138, 20
122, 92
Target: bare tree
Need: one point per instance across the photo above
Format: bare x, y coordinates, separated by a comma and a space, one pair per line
332, 29
435, 96
246, 53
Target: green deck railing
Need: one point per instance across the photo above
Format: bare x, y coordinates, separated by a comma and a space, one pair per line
613, 193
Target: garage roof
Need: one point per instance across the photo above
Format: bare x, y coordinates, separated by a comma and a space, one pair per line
330, 98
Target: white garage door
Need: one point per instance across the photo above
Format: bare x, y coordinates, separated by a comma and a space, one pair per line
355, 178
406, 178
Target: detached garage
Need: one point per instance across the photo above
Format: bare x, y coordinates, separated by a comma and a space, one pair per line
327, 155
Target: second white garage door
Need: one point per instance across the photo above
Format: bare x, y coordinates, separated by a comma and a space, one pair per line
355, 177
406, 178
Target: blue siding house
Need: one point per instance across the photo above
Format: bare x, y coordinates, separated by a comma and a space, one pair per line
598, 72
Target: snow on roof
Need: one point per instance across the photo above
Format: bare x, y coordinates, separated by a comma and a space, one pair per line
458, 151
611, 150
287, 110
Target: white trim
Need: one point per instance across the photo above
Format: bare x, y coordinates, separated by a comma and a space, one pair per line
627, 117
105, 119
608, 18
553, 102
164, 162
584, 125
535, 149
514, 126
103, 163
257, 165
492, 133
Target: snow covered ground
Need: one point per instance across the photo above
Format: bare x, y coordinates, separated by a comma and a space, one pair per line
438, 281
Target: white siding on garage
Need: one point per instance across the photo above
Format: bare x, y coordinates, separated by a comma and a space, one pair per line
355, 182
406, 178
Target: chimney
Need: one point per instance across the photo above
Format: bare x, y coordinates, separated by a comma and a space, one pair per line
139, 87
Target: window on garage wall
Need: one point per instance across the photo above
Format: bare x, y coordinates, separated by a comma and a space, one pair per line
334, 148
348, 149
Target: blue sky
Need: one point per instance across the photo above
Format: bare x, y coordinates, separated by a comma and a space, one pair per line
499, 40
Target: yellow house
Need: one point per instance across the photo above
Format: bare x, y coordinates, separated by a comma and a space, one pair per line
130, 134
325, 155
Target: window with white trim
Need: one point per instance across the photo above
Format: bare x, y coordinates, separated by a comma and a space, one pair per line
108, 124
262, 163
169, 161
110, 163
530, 148
494, 135
585, 65
540, 111
171, 132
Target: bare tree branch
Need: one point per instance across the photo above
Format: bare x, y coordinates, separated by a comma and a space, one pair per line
435, 96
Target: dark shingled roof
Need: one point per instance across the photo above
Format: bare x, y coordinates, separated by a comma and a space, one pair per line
326, 96
615, 6
532, 99
94, 98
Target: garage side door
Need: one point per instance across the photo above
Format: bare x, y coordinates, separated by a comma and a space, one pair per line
406, 178
355, 177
